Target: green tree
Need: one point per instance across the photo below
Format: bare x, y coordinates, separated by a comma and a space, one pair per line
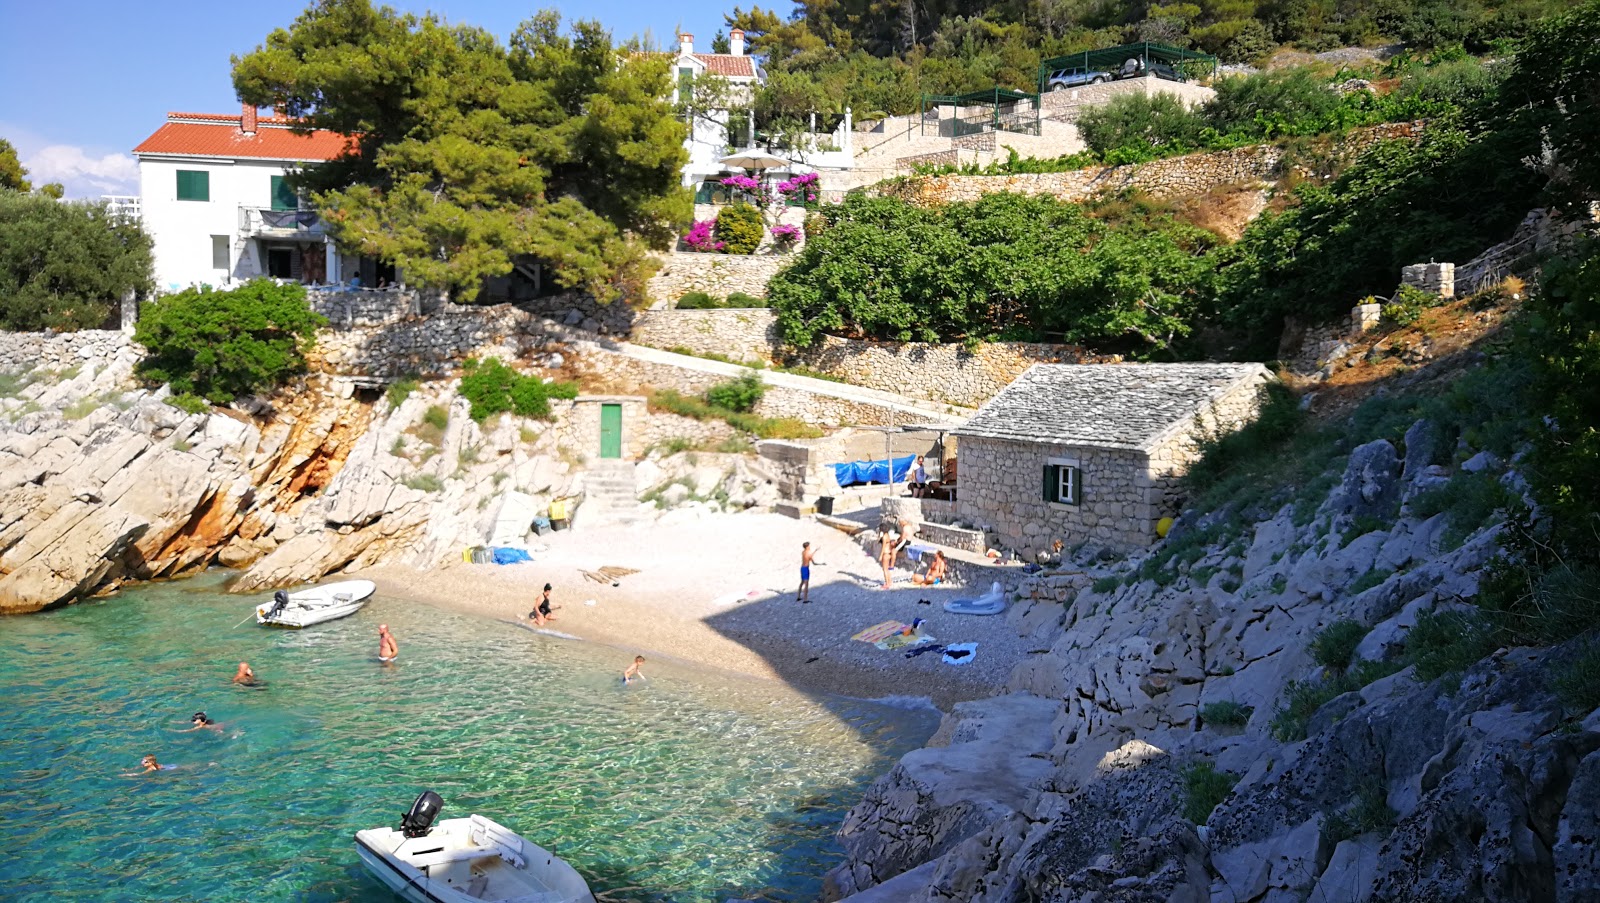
13, 177
220, 345
468, 153
65, 266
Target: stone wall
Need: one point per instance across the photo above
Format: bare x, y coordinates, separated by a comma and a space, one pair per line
21, 352
1172, 177
1001, 491
1123, 493
1068, 103
577, 424
623, 372
361, 308
718, 275
946, 373
741, 334
433, 345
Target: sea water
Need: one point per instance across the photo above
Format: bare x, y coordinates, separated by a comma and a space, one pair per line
691, 786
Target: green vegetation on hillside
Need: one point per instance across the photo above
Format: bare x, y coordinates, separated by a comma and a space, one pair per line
494, 388
65, 266
219, 345
880, 55
469, 152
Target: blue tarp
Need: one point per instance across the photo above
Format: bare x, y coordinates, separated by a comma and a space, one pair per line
872, 471
508, 555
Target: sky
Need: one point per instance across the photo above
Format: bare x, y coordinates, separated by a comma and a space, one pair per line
84, 81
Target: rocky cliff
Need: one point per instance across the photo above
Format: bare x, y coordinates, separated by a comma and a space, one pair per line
1176, 739
103, 482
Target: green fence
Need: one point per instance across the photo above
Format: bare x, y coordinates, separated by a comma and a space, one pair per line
994, 110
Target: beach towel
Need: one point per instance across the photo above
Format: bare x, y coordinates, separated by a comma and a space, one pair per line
960, 653
878, 632
901, 640
508, 555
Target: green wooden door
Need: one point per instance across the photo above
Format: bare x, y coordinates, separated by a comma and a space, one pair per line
611, 431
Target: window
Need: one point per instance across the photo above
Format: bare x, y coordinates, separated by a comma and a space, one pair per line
283, 197
194, 185
685, 84
1063, 482
219, 252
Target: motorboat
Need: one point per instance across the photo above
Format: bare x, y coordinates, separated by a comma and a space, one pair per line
315, 605
465, 860
991, 603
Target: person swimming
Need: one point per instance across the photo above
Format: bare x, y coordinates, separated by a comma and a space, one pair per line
245, 677
200, 721
148, 765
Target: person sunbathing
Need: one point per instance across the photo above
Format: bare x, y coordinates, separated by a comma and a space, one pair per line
935, 574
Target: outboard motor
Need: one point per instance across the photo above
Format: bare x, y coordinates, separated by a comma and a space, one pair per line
280, 601
419, 821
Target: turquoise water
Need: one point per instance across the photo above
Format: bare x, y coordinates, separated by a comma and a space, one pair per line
690, 787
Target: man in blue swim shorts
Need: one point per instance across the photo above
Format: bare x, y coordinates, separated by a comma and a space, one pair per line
805, 572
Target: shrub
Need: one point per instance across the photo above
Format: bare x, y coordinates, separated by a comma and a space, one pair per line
740, 299
426, 482
1301, 700
66, 265
494, 388
1336, 644
401, 389
1373, 577
740, 228
1204, 789
436, 416
697, 301
699, 238
1577, 682
1133, 127
1227, 713
1106, 584
223, 344
189, 404
1470, 500
1266, 104
1408, 305
1445, 642
739, 395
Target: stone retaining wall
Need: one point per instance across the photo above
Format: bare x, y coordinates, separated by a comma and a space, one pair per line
21, 352
741, 334
1172, 177
622, 372
358, 308
718, 275
431, 345
946, 373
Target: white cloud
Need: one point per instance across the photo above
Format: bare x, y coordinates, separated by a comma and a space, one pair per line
82, 174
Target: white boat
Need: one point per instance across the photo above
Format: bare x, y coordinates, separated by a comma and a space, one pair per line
465, 860
991, 603
315, 605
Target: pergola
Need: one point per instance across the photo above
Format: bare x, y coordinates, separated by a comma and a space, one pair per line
990, 110
1191, 63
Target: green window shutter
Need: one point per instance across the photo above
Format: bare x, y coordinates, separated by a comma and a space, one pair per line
685, 84
194, 185
1051, 482
283, 197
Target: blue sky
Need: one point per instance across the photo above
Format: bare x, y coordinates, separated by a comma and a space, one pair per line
83, 81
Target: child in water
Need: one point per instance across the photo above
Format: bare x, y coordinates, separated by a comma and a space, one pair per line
201, 722
633, 670
148, 764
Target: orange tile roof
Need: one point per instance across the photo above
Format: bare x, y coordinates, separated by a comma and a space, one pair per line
219, 135
728, 64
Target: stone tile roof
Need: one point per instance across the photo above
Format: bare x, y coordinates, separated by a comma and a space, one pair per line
1124, 406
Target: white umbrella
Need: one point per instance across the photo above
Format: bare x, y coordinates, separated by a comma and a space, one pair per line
753, 159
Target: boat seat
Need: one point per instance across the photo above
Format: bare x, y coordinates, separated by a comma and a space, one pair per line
477, 886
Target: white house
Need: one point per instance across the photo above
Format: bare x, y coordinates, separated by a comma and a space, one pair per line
213, 197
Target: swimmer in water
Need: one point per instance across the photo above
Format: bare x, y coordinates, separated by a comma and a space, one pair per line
388, 649
245, 677
147, 765
633, 670
201, 722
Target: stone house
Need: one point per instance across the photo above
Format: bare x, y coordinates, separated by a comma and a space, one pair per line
1094, 451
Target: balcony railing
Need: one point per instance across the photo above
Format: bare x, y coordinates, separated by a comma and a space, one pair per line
280, 223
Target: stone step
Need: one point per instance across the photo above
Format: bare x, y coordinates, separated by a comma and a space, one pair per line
795, 510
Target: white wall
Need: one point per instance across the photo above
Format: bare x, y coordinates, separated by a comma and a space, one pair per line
182, 229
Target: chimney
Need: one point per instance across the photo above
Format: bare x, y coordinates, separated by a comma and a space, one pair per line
247, 119
686, 43
736, 42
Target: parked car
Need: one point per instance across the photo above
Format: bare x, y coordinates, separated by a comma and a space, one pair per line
1075, 78
1134, 68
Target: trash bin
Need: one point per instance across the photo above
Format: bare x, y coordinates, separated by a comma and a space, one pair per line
825, 505
541, 525
558, 523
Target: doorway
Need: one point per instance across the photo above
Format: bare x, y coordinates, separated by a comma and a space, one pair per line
280, 263
611, 431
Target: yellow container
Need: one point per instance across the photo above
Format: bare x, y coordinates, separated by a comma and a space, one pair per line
558, 509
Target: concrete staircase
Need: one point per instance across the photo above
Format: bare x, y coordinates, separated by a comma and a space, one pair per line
609, 495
